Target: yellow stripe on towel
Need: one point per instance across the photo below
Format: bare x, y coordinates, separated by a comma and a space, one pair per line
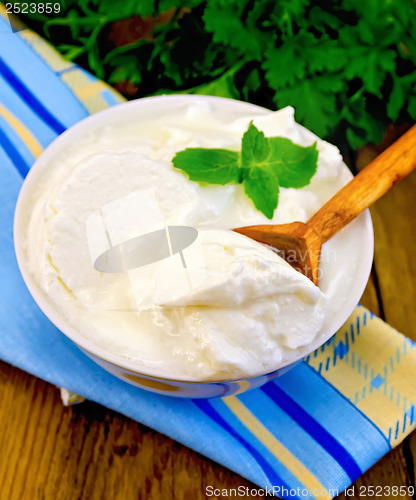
375, 381
281, 453
13, 19
47, 52
87, 91
24, 133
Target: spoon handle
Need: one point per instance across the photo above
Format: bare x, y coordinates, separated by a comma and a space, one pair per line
395, 163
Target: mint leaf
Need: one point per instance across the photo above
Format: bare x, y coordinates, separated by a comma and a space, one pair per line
293, 165
260, 182
255, 148
264, 163
263, 188
215, 166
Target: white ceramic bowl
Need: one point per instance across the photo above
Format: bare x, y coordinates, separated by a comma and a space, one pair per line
359, 234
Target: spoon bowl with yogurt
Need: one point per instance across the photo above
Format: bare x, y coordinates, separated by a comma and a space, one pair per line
300, 243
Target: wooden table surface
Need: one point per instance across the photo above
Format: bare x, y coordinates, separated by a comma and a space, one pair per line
48, 451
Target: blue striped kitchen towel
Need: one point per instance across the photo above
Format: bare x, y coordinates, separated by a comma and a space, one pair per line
309, 435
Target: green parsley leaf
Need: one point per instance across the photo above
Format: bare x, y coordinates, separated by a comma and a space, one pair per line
315, 102
215, 166
369, 62
301, 55
412, 106
363, 125
318, 57
401, 90
236, 24
127, 69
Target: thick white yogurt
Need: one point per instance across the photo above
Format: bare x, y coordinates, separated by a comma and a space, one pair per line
238, 309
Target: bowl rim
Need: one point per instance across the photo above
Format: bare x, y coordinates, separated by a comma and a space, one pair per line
93, 123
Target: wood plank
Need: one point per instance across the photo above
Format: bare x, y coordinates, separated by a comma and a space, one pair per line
394, 279
395, 249
369, 298
395, 230
410, 455
88, 452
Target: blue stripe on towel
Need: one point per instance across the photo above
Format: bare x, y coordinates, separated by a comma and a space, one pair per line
43, 133
314, 429
18, 141
296, 439
232, 418
357, 434
30, 98
41, 81
14, 155
207, 408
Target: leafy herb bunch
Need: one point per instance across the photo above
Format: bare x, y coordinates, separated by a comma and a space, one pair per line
347, 66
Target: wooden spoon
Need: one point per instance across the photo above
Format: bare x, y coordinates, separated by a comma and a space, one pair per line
300, 243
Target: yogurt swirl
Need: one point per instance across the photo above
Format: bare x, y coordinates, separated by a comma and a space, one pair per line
236, 309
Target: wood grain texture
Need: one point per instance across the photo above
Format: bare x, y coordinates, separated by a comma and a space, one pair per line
88, 452
384, 172
369, 298
394, 262
49, 452
392, 287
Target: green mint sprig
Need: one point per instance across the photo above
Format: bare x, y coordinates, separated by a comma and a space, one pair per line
263, 165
